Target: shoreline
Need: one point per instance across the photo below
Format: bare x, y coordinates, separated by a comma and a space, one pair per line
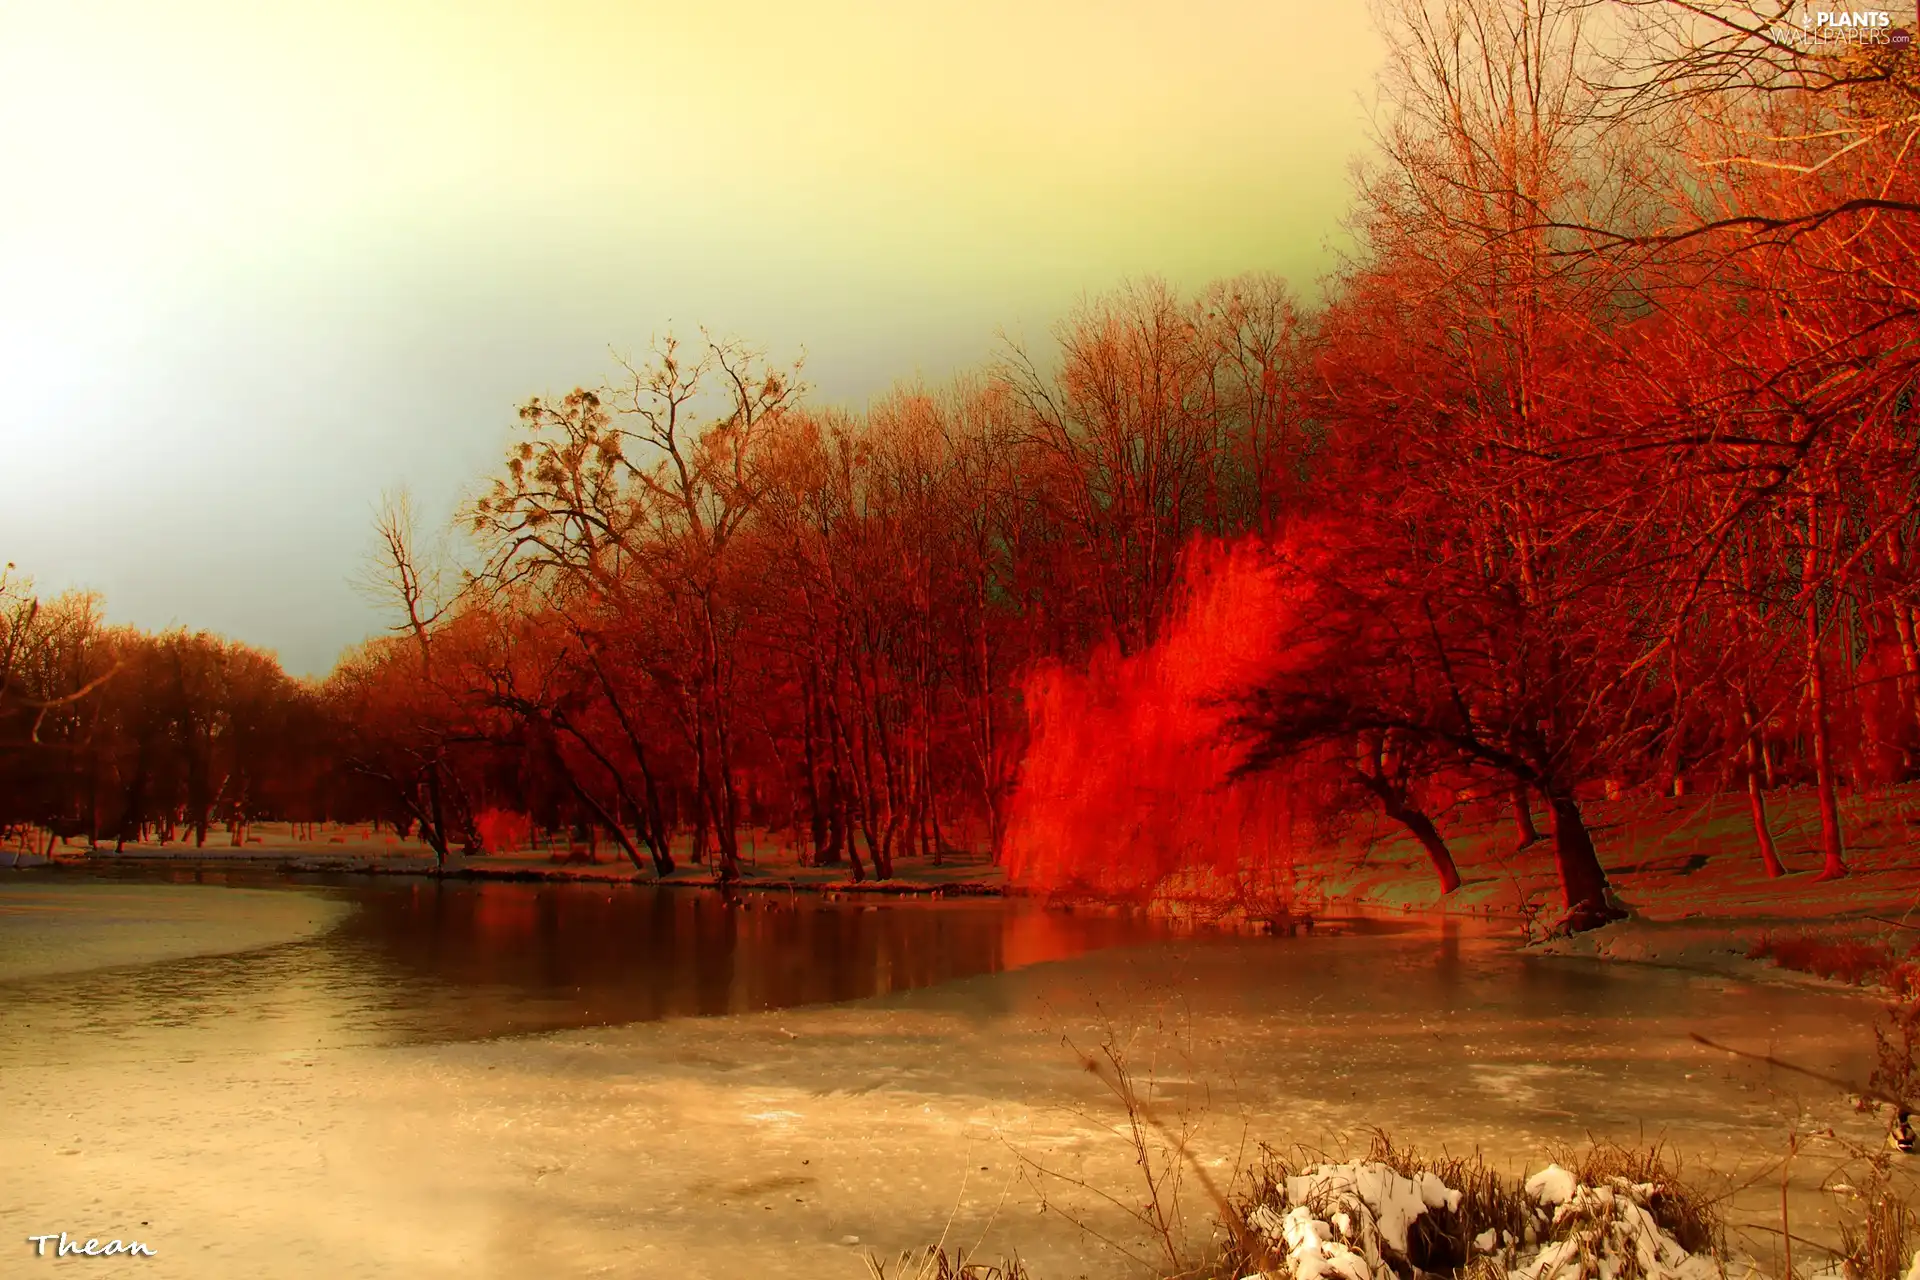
1697, 902
612, 874
1710, 946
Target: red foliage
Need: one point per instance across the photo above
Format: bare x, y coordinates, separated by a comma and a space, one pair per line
1843, 959
1129, 777
502, 829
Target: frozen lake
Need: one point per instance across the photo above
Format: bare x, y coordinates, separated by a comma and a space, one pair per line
531, 1080
93, 961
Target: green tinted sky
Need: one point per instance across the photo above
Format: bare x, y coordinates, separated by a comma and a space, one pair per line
260, 261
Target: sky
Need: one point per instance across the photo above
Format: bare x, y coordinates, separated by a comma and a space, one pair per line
260, 261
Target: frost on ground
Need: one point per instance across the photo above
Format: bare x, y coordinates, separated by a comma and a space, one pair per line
1364, 1220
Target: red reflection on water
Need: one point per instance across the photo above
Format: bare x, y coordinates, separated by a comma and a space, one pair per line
514, 957
501, 916
1035, 937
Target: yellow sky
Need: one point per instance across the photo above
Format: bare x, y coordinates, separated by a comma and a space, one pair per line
260, 260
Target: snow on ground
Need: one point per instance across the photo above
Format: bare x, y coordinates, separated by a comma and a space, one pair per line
1333, 1207
1351, 1222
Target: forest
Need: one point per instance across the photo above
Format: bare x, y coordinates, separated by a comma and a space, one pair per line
1592, 469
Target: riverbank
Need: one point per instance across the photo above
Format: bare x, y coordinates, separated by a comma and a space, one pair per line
767, 865
1686, 868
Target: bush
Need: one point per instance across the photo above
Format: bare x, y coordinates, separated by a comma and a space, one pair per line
1845, 959
1896, 1038
1683, 1211
1479, 1237
502, 829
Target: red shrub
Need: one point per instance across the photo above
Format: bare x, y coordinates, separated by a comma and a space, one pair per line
502, 829
1844, 959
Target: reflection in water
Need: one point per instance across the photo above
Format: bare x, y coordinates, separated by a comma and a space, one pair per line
1331, 1018
1444, 1032
569, 955
425, 960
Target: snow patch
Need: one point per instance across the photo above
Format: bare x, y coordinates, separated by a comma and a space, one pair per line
1392, 1200
1368, 1209
1351, 1222
1551, 1186
1606, 1231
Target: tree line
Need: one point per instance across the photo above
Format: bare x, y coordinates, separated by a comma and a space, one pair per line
113, 734
1593, 472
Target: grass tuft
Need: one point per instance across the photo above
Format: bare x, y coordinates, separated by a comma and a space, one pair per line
1877, 1239
1681, 1209
934, 1263
1896, 1040
1441, 1242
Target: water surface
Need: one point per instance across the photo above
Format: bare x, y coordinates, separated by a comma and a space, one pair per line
740, 1087
404, 960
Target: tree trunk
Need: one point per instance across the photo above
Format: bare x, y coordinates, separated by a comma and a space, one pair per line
703, 834
1523, 817
438, 836
658, 836
934, 818
1395, 805
727, 818
1909, 655
862, 807
1757, 803
816, 810
1831, 846
853, 840
832, 811
652, 823
1429, 837
719, 775
608, 820
832, 789
656, 846
1583, 883
845, 779
875, 815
